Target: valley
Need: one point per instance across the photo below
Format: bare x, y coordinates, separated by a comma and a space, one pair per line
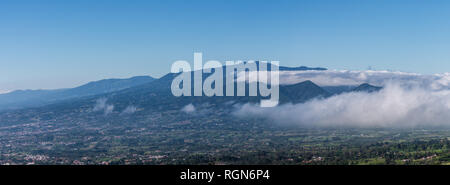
146, 124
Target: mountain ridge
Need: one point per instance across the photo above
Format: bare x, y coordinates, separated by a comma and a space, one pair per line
33, 98
155, 96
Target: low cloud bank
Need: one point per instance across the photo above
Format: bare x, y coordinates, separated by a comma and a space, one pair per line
5, 91
396, 105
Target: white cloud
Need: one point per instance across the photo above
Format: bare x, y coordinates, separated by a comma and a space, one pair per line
394, 106
109, 109
188, 108
101, 105
129, 110
5, 91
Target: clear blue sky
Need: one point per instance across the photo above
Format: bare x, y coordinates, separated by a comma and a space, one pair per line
55, 44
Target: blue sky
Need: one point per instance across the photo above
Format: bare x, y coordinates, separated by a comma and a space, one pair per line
57, 44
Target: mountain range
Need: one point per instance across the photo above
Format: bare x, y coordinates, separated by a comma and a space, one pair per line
142, 95
34, 98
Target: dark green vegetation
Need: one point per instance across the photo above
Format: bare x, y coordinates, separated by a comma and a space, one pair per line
158, 132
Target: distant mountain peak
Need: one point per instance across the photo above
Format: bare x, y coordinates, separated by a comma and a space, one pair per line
301, 92
366, 87
300, 68
308, 82
32, 98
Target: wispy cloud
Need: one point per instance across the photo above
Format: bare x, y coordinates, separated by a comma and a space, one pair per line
130, 109
101, 105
